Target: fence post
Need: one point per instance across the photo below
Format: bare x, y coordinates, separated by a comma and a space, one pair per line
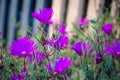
95, 8
114, 15
74, 12
2, 14
39, 5
12, 21
113, 11
25, 16
58, 8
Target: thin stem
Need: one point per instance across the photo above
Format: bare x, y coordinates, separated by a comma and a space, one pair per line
85, 35
98, 46
24, 67
80, 60
1, 53
46, 53
37, 39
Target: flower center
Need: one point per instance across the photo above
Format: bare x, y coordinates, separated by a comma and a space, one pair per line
23, 52
118, 52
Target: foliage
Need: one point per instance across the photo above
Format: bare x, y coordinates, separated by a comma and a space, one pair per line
92, 52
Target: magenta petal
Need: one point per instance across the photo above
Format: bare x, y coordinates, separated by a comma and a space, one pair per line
31, 58
58, 43
22, 47
48, 67
107, 28
83, 22
98, 58
82, 48
44, 16
62, 29
60, 65
113, 49
62, 42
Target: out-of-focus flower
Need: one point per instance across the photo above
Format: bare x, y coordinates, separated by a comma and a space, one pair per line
14, 77
54, 22
108, 50
113, 49
62, 29
1, 66
60, 65
82, 48
0, 33
59, 43
50, 42
38, 56
62, 42
20, 76
43, 16
83, 22
22, 47
98, 58
107, 28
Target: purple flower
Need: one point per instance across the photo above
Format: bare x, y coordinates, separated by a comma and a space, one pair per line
60, 65
108, 50
54, 22
43, 16
107, 28
59, 43
38, 56
16, 77
62, 29
82, 48
113, 49
62, 42
98, 58
83, 22
22, 47
1, 66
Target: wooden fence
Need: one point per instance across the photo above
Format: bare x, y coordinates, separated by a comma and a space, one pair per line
16, 14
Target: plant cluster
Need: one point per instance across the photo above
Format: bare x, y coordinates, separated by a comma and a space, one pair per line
93, 55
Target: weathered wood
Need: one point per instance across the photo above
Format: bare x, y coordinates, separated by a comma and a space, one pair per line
12, 21
2, 14
95, 8
113, 11
74, 12
58, 8
94, 11
114, 14
25, 16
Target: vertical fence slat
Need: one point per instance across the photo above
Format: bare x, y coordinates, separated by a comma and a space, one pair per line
25, 16
58, 12
39, 5
58, 9
95, 8
113, 10
73, 13
113, 15
2, 14
12, 21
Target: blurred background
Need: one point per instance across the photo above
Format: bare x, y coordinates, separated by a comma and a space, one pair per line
15, 15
